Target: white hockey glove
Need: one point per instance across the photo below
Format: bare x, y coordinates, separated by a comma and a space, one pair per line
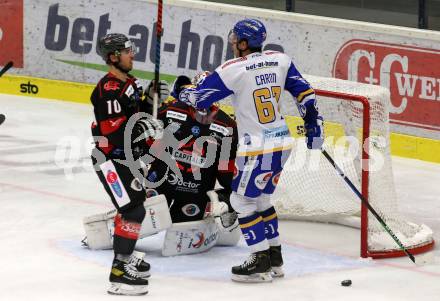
163, 90
148, 128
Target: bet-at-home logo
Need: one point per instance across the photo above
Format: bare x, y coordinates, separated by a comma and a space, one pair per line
80, 35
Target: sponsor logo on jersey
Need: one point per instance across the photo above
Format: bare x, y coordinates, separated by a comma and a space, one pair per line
191, 209
279, 132
174, 180
151, 193
189, 158
129, 91
112, 179
111, 86
176, 115
195, 130
262, 179
221, 129
412, 74
276, 178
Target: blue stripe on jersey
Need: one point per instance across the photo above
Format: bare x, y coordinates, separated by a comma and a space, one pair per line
295, 83
301, 89
212, 89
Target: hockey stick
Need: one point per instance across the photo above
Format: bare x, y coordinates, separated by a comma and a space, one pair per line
157, 60
6, 68
367, 204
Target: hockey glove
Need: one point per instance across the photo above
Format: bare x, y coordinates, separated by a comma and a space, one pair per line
314, 132
163, 91
148, 128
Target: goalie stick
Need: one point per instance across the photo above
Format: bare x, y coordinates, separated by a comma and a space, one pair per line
4, 69
157, 60
368, 205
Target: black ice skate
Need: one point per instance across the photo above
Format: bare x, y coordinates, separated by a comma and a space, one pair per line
255, 269
276, 261
123, 280
141, 267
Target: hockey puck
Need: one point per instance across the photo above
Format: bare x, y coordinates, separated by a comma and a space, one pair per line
346, 282
2, 118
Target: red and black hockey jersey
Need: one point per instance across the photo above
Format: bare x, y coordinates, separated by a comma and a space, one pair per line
114, 102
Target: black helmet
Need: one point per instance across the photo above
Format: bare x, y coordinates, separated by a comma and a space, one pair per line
112, 43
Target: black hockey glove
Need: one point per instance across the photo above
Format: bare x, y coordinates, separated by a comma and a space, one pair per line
163, 91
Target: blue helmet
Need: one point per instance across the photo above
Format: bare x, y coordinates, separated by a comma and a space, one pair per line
251, 30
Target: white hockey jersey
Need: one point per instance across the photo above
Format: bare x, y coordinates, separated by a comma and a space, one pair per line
255, 84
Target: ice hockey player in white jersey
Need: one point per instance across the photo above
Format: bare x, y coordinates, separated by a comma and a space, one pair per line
255, 80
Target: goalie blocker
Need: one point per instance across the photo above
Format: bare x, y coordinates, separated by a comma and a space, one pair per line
219, 227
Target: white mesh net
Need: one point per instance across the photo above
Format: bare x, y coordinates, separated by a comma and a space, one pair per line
311, 189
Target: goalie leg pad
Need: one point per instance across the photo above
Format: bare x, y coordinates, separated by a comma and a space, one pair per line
190, 237
157, 216
100, 228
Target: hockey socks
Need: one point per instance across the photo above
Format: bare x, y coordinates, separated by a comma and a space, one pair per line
253, 229
270, 220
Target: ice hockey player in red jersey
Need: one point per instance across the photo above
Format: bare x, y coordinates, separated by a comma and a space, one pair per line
116, 99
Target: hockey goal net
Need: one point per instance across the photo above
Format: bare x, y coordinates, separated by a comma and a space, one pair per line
358, 138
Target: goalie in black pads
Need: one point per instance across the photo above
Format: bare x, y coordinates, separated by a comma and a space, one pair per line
201, 217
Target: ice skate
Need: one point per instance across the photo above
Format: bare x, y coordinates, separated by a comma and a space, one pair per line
276, 261
123, 280
255, 269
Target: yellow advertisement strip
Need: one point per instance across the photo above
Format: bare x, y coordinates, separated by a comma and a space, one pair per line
401, 145
46, 88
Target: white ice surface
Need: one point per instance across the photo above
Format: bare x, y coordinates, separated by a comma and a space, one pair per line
42, 208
